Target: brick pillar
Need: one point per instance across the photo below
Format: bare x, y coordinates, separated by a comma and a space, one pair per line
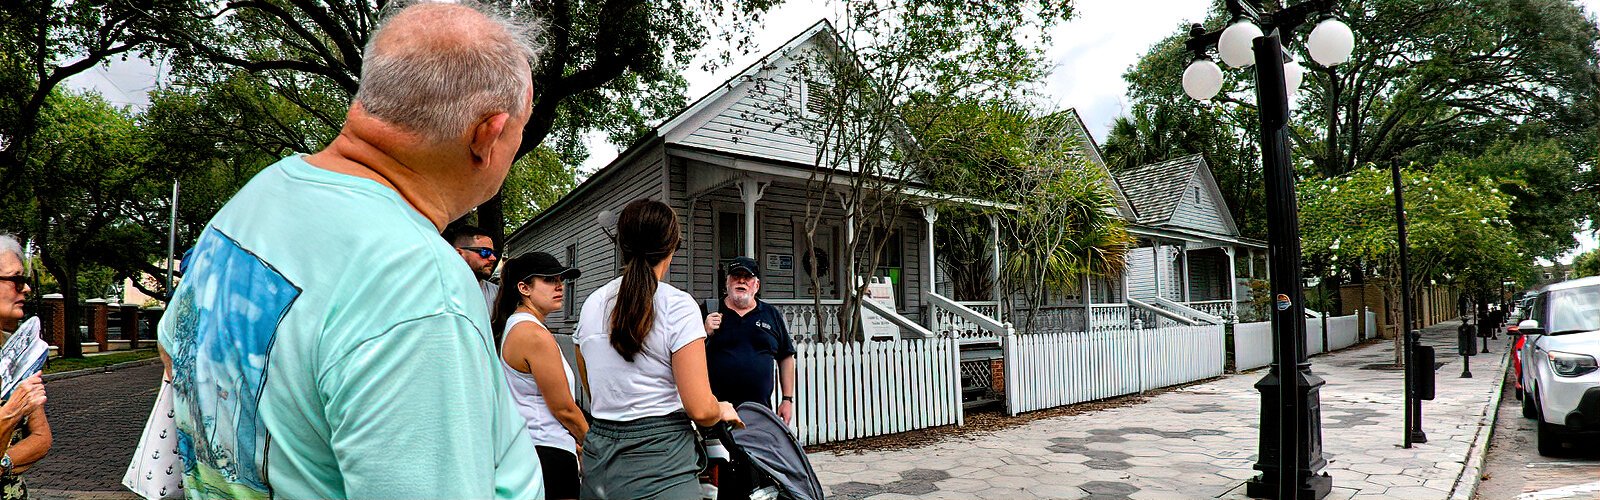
99, 313
130, 325
53, 319
997, 375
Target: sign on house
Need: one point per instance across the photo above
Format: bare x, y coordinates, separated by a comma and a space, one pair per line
780, 262
875, 326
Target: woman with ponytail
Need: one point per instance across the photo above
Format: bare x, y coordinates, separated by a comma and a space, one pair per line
641, 353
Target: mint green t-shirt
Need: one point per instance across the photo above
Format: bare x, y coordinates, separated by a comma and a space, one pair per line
326, 343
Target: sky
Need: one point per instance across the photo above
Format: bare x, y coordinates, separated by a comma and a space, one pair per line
1089, 53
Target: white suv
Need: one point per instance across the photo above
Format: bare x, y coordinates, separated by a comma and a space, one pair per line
1560, 372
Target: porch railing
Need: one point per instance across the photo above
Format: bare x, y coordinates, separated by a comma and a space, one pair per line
1051, 319
802, 317
1219, 308
1103, 317
1151, 316
963, 322
1188, 312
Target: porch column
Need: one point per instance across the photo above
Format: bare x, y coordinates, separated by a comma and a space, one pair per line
994, 234
1183, 255
931, 215
750, 191
1233, 282
1155, 263
1088, 297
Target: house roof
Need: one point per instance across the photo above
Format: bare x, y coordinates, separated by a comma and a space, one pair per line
1156, 189
1075, 121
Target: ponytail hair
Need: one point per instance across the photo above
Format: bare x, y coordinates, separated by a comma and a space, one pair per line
506, 302
647, 233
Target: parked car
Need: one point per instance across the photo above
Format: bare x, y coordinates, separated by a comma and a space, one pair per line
1518, 342
1561, 374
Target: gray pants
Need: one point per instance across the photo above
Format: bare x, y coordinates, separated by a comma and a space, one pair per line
652, 457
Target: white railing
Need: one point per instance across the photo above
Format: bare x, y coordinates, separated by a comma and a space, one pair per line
1150, 315
849, 390
1055, 369
1109, 317
1186, 311
1051, 319
905, 324
1219, 308
955, 319
988, 308
802, 317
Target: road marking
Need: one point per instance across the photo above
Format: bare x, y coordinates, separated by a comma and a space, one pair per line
1562, 492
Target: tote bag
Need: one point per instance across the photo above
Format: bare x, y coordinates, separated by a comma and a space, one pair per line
156, 471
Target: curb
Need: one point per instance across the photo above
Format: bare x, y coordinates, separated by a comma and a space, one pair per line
1472, 471
109, 368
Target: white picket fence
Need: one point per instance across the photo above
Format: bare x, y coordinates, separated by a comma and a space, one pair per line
1054, 369
1252, 342
849, 390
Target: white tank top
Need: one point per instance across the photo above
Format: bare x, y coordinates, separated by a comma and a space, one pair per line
542, 425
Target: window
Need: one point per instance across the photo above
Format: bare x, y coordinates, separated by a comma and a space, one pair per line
730, 236
890, 263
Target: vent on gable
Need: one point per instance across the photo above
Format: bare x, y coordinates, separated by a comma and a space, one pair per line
814, 95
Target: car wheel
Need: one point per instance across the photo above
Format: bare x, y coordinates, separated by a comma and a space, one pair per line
1549, 439
1530, 407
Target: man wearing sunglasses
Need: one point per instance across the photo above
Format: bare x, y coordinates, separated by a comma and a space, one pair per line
477, 248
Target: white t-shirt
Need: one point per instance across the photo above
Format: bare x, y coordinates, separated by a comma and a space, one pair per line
624, 391
542, 424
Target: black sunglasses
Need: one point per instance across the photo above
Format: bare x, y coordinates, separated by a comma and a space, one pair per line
18, 281
483, 252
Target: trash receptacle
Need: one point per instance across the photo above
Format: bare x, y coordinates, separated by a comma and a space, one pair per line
1423, 374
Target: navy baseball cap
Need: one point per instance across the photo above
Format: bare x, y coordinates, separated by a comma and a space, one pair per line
744, 264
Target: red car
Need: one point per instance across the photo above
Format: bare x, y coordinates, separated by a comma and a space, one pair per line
1516, 357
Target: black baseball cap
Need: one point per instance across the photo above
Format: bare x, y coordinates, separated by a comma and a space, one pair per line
544, 264
745, 264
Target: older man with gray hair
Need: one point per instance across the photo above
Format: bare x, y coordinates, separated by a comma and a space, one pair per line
325, 342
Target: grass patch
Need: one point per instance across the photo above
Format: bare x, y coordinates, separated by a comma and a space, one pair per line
56, 365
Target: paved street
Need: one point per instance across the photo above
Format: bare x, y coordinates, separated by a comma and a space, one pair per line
95, 421
1515, 470
1200, 442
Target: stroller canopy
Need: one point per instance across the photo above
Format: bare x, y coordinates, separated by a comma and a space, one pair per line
766, 440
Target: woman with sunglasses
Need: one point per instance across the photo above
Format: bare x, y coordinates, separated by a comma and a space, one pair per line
24, 432
641, 351
540, 379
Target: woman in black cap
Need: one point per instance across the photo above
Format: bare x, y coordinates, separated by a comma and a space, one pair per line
541, 381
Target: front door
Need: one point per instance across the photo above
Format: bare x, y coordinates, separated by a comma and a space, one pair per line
824, 247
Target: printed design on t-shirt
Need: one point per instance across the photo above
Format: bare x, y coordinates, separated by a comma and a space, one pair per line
227, 314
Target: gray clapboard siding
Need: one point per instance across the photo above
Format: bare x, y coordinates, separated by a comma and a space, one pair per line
575, 224
1199, 210
754, 121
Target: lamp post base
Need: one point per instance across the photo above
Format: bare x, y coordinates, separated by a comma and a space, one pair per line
1313, 487
1313, 484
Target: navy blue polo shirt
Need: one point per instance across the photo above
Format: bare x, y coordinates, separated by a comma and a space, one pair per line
741, 356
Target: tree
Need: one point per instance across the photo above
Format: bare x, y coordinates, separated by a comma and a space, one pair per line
87, 159
1422, 85
1064, 225
42, 43
1587, 264
1458, 227
888, 54
610, 66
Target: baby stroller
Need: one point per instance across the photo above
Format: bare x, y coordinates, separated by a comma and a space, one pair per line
774, 464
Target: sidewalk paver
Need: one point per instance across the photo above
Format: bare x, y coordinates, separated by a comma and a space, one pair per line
1200, 441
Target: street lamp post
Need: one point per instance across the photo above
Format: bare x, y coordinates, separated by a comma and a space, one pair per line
1290, 445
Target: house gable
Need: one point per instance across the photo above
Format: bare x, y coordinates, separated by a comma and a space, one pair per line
1202, 208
